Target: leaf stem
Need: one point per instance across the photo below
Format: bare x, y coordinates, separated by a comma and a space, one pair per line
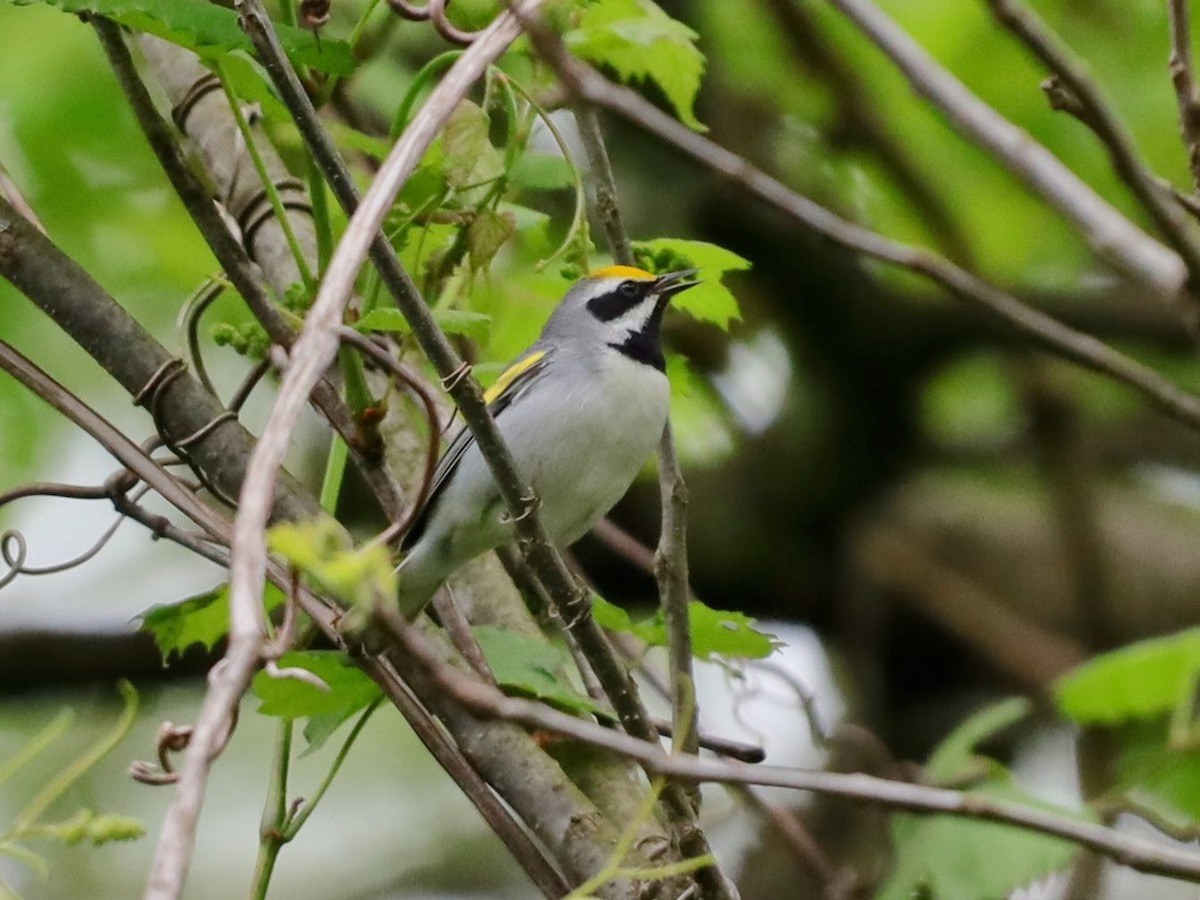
274, 819
72, 773
260, 166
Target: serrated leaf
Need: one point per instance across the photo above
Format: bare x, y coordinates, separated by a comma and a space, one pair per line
955, 756
949, 857
486, 234
349, 689
715, 632
709, 301
471, 160
542, 172
1135, 682
532, 666
610, 616
205, 27
638, 41
466, 322
202, 619
322, 549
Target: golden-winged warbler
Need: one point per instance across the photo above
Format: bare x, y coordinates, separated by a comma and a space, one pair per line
581, 411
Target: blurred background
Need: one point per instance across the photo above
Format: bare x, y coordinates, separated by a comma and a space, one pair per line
930, 512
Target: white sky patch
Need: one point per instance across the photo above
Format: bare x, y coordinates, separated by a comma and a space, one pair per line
754, 382
1173, 485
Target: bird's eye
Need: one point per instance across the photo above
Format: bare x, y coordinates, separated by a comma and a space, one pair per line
629, 289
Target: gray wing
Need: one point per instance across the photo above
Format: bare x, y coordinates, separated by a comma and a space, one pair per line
515, 381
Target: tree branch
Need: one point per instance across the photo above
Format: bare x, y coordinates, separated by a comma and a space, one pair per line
363, 233
1127, 850
1111, 235
1183, 78
1098, 114
229, 253
1076, 346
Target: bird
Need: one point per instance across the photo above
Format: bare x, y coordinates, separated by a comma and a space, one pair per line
581, 411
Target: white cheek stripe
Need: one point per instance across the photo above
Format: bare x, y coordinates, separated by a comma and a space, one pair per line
634, 320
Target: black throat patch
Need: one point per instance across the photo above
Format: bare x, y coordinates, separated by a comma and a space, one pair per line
645, 346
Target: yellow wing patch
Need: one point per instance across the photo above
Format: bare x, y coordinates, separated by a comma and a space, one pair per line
512, 373
623, 272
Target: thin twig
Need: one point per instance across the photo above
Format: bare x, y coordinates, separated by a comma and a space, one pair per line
1074, 345
679, 803
231, 255
858, 123
1127, 850
671, 563
1100, 117
1110, 234
1183, 78
607, 208
362, 234
312, 354
106, 331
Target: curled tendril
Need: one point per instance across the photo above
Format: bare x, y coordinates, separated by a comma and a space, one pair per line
435, 12
189, 324
14, 548
172, 738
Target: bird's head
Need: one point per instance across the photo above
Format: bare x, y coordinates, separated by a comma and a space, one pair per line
619, 306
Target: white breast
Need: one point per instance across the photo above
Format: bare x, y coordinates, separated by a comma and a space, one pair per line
608, 425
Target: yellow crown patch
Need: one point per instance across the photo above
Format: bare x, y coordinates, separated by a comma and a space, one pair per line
622, 272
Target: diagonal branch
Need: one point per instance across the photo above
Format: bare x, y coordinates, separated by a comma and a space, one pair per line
1111, 235
1098, 114
363, 235
244, 275
1129, 850
1044, 330
80, 306
1183, 78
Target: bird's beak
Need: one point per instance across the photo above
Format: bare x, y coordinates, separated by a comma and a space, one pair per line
672, 283
667, 286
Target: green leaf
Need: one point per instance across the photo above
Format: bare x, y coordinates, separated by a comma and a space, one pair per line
486, 234
322, 549
542, 172
703, 435
1153, 776
469, 324
948, 857
715, 632
955, 756
709, 301
531, 666
205, 27
349, 689
640, 42
1138, 681
471, 160
610, 616
320, 727
202, 619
